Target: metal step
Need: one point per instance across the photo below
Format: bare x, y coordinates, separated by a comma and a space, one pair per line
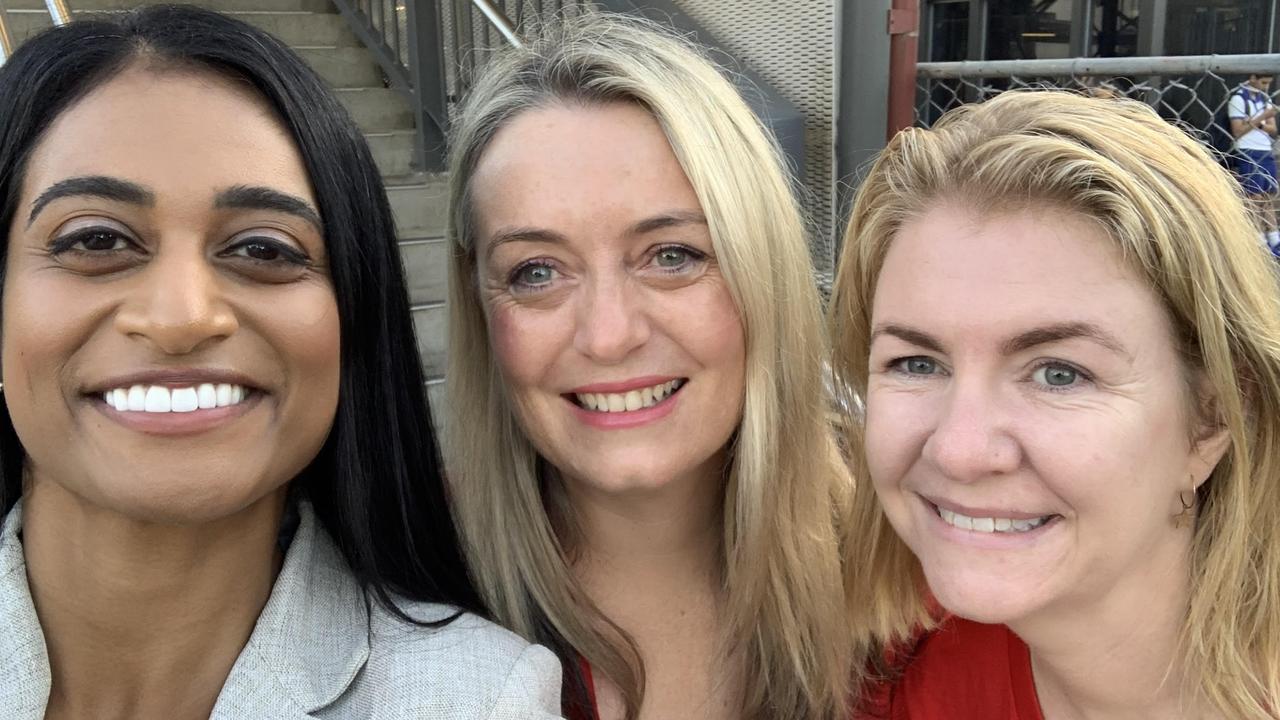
311, 6
392, 151
430, 325
425, 269
345, 67
377, 109
295, 29
420, 208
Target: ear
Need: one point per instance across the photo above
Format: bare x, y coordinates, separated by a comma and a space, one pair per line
1210, 438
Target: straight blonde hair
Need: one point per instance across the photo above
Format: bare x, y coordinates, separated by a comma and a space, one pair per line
786, 623
1180, 223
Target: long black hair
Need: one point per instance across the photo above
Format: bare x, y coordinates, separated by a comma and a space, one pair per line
377, 484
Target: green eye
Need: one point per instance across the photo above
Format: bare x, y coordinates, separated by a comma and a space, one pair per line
672, 257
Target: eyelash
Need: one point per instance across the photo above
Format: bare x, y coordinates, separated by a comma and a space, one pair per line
694, 257
1083, 377
67, 244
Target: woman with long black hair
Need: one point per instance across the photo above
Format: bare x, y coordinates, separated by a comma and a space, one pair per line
220, 490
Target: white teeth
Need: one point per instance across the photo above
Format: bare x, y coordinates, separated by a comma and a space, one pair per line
629, 401
162, 399
184, 400
207, 396
158, 400
990, 525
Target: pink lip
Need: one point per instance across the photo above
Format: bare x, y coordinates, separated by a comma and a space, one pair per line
625, 385
171, 377
624, 420
177, 424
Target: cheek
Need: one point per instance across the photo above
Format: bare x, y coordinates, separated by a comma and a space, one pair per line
897, 426
44, 326
524, 342
714, 334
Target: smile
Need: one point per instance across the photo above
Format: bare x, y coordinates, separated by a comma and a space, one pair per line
629, 401
165, 399
991, 524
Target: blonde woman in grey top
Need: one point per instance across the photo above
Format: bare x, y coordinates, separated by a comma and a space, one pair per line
218, 481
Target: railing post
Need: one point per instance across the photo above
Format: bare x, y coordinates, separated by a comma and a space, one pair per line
430, 103
904, 30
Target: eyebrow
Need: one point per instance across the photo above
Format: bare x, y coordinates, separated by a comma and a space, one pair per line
1056, 332
257, 197
100, 186
674, 218
252, 197
1063, 331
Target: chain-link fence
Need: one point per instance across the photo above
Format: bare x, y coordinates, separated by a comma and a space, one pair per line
1190, 90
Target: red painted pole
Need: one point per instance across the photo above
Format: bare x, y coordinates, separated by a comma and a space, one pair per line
904, 34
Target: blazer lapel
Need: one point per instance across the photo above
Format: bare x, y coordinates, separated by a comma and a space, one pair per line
311, 640
24, 661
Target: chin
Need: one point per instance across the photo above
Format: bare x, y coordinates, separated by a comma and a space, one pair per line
193, 501
981, 600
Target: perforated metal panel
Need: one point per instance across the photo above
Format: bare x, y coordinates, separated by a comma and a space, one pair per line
791, 45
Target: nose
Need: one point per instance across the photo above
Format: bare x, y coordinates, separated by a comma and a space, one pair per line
972, 439
611, 321
176, 304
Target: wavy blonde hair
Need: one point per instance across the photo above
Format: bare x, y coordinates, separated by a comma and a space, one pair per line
786, 622
1181, 224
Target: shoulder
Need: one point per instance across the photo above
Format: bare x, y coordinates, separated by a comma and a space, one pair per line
960, 670
466, 667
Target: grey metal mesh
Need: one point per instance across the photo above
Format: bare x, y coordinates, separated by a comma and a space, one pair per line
792, 49
1189, 91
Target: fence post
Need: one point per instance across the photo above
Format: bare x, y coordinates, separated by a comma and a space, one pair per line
904, 32
430, 104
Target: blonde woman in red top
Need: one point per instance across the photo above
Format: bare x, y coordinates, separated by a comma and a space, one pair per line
1067, 340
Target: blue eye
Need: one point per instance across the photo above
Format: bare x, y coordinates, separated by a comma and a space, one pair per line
916, 365
533, 275
1056, 375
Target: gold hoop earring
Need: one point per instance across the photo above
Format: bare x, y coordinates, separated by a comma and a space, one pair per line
1184, 518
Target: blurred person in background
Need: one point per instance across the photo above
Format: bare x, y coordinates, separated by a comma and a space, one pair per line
1253, 125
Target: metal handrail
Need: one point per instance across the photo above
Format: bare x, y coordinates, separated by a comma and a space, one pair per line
500, 21
58, 12
1162, 65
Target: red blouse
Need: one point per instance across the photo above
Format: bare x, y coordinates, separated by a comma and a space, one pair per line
960, 671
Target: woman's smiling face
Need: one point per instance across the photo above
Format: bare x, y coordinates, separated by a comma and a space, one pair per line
1028, 414
170, 335
621, 347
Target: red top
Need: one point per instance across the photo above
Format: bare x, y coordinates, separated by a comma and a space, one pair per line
961, 671
591, 693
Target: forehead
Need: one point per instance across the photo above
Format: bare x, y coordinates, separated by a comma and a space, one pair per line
578, 169
978, 278
179, 133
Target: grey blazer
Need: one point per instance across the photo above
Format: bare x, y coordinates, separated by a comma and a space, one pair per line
316, 652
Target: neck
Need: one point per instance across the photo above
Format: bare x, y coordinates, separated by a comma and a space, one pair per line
1118, 656
141, 618
666, 534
